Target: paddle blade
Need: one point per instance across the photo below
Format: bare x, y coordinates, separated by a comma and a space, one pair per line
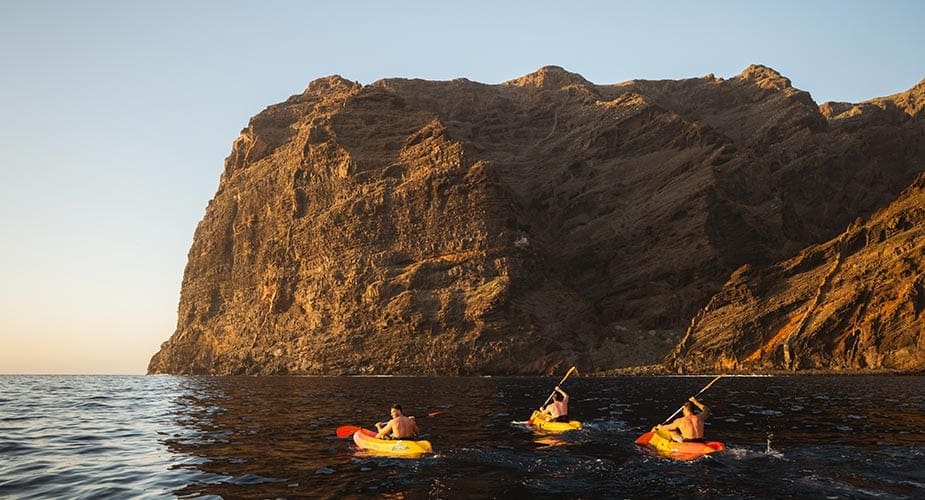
346, 431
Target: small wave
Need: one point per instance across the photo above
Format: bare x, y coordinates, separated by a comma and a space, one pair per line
521, 424
758, 410
833, 488
607, 426
12, 449
251, 479
741, 453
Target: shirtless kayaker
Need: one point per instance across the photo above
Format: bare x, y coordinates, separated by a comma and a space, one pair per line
400, 427
558, 409
690, 426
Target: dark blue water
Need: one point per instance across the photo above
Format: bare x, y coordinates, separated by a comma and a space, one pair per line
810, 437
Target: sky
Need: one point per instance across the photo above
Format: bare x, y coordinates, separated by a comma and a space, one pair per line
116, 117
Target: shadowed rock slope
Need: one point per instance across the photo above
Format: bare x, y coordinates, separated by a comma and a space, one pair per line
412, 226
854, 303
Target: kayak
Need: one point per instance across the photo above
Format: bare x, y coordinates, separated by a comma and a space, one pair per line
661, 441
366, 439
539, 421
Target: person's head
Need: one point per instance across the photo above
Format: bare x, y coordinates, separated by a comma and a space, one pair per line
396, 410
688, 408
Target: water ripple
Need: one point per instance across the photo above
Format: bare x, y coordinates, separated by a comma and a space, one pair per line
90, 437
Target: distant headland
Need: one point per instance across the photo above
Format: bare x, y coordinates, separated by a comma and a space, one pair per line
454, 227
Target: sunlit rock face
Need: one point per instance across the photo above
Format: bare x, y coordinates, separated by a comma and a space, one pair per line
853, 303
419, 227
856, 302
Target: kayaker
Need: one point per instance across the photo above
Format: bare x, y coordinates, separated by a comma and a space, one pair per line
558, 409
400, 427
689, 427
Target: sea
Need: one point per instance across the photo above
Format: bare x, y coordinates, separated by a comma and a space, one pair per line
274, 437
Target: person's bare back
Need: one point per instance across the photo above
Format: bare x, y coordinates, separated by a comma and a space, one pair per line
558, 409
690, 426
400, 427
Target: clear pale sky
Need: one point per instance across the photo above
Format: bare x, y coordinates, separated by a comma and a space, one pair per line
116, 117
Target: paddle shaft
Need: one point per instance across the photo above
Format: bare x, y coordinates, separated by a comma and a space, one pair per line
569, 372
694, 396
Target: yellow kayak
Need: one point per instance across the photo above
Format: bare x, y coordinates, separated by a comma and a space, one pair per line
366, 439
538, 420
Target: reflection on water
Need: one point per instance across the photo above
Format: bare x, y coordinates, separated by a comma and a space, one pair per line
274, 437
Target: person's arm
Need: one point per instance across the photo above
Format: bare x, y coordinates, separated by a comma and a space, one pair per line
414, 426
545, 410
670, 427
563, 393
384, 430
704, 410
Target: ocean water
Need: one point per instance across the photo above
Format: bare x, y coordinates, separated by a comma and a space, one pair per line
274, 437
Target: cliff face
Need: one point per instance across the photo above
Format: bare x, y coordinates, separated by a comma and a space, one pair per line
411, 226
853, 303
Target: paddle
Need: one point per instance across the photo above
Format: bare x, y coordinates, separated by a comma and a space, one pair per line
569, 372
345, 431
694, 396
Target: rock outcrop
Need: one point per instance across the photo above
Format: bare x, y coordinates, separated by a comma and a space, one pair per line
854, 303
411, 226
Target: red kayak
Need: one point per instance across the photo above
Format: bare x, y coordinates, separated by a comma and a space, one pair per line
661, 442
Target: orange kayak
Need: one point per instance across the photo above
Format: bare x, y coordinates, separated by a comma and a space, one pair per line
661, 442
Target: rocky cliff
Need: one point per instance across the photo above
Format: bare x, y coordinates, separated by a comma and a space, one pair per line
412, 226
853, 303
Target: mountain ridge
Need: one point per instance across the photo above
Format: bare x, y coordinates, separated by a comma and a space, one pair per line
456, 227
